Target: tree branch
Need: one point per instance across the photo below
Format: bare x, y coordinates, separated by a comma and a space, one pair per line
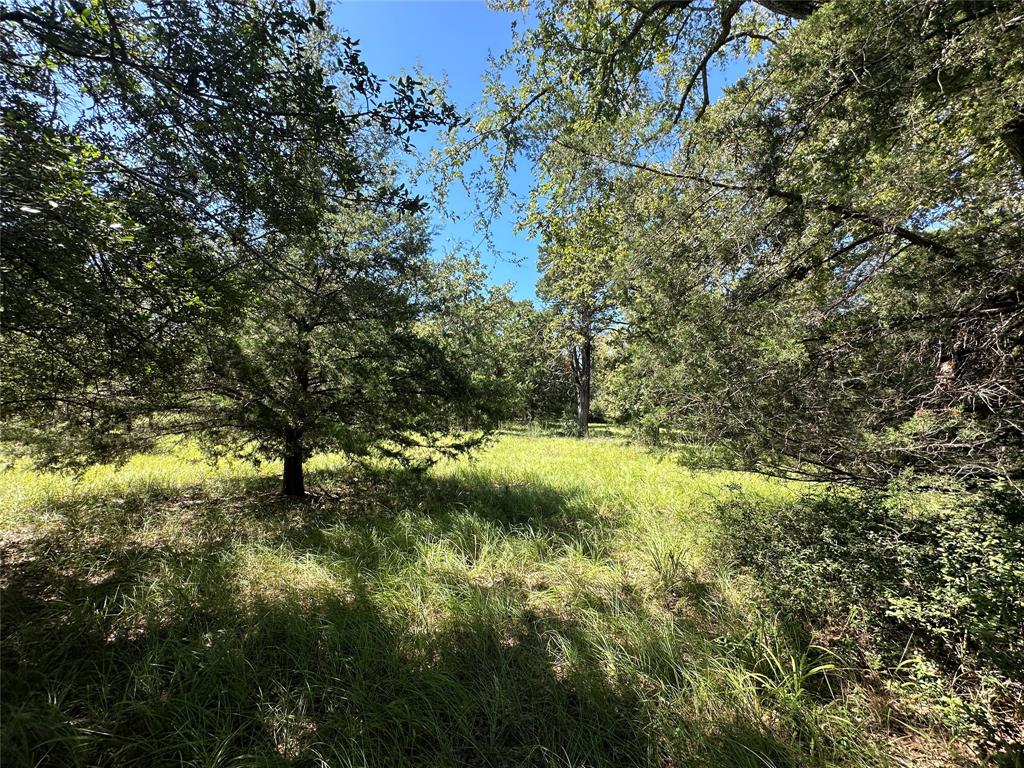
725, 36
908, 235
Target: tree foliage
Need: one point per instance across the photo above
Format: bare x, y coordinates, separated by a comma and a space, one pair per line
204, 223
821, 267
576, 256
511, 347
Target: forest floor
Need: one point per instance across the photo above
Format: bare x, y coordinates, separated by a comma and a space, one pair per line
548, 602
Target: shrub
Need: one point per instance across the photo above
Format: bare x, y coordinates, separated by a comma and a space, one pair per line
647, 430
928, 588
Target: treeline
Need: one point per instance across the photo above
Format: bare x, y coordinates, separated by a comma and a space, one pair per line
817, 271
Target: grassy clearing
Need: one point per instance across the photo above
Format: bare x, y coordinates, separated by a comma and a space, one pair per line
549, 602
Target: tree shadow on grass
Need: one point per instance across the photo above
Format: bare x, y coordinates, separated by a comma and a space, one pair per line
251, 508
169, 629
289, 679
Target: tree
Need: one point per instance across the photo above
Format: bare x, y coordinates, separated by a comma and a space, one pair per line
576, 255
332, 356
180, 175
845, 269
820, 267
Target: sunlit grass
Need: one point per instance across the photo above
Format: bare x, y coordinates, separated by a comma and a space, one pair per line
545, 602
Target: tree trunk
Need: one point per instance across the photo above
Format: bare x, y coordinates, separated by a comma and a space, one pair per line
294, 481
583, 389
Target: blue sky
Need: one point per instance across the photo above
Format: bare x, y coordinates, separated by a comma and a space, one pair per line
450, 38
453, 38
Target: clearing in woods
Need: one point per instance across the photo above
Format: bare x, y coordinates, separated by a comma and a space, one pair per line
550, 601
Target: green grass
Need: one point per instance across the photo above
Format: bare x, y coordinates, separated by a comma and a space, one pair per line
547, 602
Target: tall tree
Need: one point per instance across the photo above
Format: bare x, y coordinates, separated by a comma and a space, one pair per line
576, 255
822, 264
843, 232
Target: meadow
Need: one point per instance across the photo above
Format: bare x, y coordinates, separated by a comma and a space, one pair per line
547, 601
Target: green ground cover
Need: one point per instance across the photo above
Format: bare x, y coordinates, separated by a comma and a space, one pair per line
547, 602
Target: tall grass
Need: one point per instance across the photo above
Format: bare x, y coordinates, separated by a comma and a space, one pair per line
547, 602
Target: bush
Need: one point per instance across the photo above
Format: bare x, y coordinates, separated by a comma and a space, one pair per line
927, 588
647, 430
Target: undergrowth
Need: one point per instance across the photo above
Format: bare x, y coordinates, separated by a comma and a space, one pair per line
549, 602
924, 591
